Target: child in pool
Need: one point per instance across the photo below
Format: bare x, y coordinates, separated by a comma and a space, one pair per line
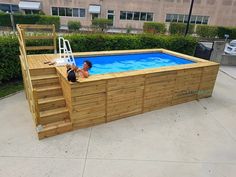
83, 73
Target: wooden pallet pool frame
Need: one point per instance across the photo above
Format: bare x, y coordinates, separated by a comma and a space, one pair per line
59, 106
104, 98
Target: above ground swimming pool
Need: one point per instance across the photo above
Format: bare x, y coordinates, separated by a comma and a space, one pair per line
130, 62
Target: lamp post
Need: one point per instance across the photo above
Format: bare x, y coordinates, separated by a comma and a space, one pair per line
189, 17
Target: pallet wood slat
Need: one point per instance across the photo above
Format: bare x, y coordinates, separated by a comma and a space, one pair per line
31, 48
33, 26
39, 37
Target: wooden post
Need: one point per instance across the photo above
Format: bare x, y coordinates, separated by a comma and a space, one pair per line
54, 39
36, 107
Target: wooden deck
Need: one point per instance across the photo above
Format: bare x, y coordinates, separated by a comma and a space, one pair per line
37, 61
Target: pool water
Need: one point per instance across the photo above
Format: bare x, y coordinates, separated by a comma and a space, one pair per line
130, 62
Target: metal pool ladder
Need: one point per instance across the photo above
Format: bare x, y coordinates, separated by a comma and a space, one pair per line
65, 51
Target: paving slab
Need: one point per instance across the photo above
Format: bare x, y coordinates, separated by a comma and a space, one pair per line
196, 139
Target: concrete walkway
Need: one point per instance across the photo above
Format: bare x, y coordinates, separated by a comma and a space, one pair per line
195, 139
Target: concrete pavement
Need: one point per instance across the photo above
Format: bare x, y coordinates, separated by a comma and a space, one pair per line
195, 139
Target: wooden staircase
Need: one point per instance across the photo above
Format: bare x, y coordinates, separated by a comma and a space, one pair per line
53, 115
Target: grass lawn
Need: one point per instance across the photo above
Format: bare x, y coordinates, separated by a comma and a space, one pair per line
9, 88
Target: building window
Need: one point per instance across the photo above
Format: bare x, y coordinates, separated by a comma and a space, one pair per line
54, 11
68, 12
62, 12
129, 15
30, 12
136, 15
122, 15
181, 18
142, 16
82, 12
9, 7
149, 17
205, 20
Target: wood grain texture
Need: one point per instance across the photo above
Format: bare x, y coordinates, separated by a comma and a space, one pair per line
103, 98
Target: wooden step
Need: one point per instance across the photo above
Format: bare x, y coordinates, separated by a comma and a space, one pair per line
43, 71
44, 80
44, 77
51, 103
49, 91
55, 128
53, 115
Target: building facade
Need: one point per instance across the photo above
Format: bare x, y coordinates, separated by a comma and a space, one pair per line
132, 13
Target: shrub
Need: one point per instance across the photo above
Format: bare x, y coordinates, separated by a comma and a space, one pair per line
206, 31
100, 42
74, 25
9, 60
26, 19
179, 28
154, 27
231, 31
5, 19
10, 64
29, 19
101, 23
49, 20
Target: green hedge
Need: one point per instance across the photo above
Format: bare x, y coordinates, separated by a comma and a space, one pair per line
49, 20
9, 61
179, 28
5, 19
29, 19
231, 31
100, 42
154, 27
206, 31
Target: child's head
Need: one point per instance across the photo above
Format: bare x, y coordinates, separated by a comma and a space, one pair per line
87, 65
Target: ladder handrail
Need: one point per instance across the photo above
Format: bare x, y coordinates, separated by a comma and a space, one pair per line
65, 51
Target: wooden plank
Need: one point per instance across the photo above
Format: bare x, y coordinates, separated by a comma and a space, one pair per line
88, 123
87, 89
34, 26
39, 37
123, 115
126, 82
98, 97
31, 48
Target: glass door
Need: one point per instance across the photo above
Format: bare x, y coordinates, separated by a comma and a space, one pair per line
110, 16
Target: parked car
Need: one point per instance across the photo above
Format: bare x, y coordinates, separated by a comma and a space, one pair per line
230, 48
